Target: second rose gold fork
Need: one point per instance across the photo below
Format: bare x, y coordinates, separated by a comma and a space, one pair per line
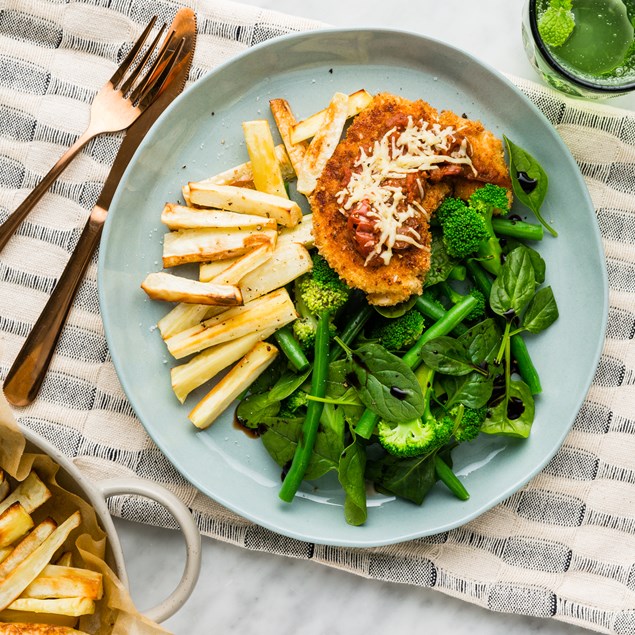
116, 106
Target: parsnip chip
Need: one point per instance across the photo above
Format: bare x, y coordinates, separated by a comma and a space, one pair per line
170, 288
309, 127
275, 308
323, 144
237, 380
239, 199
13, 585
65, 582
181, 217
242, 175
27, 546
264, 164
201, 245
28, 628
285, 121
14, 523
31, 492
61, 606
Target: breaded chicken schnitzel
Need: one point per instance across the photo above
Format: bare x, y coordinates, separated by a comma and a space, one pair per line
373, 202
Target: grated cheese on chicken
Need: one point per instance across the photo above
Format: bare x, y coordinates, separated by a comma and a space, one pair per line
418, 148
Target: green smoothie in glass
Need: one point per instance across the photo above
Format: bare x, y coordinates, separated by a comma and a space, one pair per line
584, 46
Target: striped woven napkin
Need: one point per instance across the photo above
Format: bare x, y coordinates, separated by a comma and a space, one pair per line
562, 547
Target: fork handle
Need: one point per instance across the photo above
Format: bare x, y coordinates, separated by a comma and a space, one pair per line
29, 368
8, 228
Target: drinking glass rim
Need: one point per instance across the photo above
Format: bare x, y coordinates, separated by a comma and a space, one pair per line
578, 81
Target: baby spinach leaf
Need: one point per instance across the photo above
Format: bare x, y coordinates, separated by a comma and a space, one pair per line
482, 341
472, 390
516, 284
255, 410
447, 355
514, 415
411, 478
385, 384
541, 312
352, 466
529, 181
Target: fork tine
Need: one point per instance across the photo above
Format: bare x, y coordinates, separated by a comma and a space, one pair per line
155, 85
129, 83
125, 65
165, 60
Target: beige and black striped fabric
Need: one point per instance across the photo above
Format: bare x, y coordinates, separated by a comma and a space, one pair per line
562, 547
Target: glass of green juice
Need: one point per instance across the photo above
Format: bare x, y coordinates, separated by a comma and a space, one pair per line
585, 48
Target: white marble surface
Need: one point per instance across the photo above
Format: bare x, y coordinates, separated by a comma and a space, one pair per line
241, 592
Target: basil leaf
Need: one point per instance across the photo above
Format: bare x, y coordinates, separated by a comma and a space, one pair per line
352, 466
521, 162
482, 341
514, 416
385, 384
516, 284
447, 355
541, 312
411, 479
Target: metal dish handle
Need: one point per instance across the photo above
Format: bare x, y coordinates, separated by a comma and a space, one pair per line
191, 534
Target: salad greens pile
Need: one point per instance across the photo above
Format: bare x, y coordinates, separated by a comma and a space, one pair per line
382, 395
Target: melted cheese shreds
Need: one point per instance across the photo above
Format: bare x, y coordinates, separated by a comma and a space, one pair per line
418, 148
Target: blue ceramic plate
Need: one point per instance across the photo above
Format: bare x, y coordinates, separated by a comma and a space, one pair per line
200, 135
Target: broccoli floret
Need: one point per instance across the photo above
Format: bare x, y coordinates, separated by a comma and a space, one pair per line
293, 403
319, 291
464, 230
467, 422
400, 333
420, 436
454, 296
490, 199
448, 207
416, 437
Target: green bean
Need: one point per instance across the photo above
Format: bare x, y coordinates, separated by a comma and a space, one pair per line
292, 349
449, 479
304, 449
517, 229
352, 330
526, 368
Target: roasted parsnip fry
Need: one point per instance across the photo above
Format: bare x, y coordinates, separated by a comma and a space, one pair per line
31, 492
323, 143
207, 271
309, 127
14, 523
201, 245
238, 268
285, 121
184, 316
273, 309
207, 364
27, 628
238, 379
180, 217
61, 606
65, 560
244, 201
27, 546
4, 553
302, 233
13, 585
4, 486
242, 175
65, 582
264, 164
286, 264
170, 288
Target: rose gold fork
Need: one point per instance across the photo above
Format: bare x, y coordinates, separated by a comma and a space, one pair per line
115, 107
